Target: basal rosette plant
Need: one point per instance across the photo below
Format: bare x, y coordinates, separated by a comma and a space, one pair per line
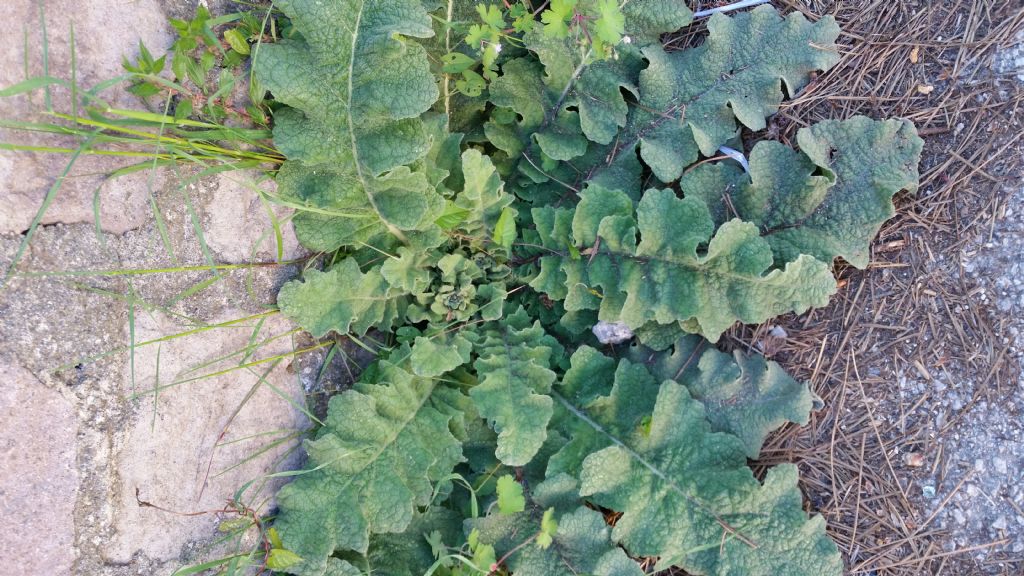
489, 182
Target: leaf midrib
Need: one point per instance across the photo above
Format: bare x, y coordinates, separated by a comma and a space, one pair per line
352, 129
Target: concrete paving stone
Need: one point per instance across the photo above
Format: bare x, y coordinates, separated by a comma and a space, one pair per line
38, 477
105, 32
177, 457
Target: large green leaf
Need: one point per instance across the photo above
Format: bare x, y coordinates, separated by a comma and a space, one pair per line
355, 90
483, 196
539, 116
382, 449
341, 300
862, 162
667, 277
743, 394
685, 492
588, 382
582, 544
868, 161
514, 367
690, 100
409, 553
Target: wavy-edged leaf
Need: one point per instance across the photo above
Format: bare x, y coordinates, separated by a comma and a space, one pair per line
514, 367
341, 300
581, 543
483, 195
663, 278
863, 163
685, 492
743, 394
433, 357
337, 567
539, 115
690, 100
869, 162
510, 495
355, 91
410, 553
590, 87
382, 449
647, 20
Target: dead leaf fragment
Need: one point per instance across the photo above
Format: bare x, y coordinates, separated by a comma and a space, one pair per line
913, 459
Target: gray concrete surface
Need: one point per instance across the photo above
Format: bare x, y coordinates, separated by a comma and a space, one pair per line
80, 433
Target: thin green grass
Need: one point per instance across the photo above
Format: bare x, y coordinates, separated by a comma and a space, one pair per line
149, 271
150, 141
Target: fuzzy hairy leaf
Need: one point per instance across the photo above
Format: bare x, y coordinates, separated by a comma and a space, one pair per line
581, 544
647, 20
483, 195
690, 100
541, 119
409, 553
663, 278
743, 394
864, 163
686, 493
355, 91
591, 87
514, 367
382, 449
341, 300
434, 356
869, 162
570, 91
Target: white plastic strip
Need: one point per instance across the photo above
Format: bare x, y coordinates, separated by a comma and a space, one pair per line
737, 156
734, 6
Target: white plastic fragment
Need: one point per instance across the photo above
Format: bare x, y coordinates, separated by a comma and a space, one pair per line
612, 332
737, 156
728, 7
